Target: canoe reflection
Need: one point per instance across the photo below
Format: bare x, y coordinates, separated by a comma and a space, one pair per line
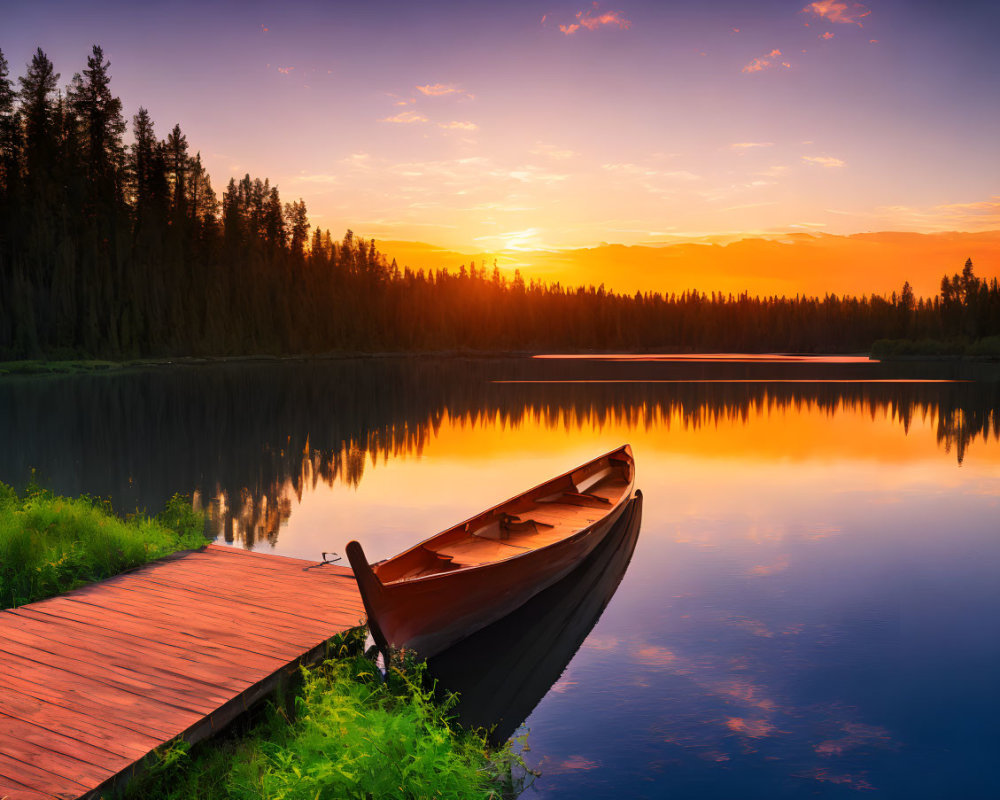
504, 670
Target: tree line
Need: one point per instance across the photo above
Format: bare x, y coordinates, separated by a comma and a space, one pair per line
122, 250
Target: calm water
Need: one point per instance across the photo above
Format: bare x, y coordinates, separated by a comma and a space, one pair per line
808, 606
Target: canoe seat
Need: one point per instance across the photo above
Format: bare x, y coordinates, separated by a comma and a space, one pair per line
512, 523
421, 561
578, 499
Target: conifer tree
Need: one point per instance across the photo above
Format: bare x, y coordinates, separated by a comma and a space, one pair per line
100, 115
38, 108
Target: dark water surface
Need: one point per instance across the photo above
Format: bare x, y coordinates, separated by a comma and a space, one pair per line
808, 608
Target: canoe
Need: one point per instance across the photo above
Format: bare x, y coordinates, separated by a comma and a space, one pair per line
455, 583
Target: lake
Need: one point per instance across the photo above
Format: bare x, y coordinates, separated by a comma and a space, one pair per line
807, 607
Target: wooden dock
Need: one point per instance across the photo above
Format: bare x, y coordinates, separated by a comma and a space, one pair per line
93, 680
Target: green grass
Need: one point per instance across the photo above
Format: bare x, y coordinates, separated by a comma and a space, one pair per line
346, 734
51, 544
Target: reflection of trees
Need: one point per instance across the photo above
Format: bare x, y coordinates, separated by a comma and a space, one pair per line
247, 438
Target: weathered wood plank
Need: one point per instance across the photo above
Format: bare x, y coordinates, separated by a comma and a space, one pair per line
95, 679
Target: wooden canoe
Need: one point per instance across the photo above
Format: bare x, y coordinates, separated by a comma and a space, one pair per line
461, 580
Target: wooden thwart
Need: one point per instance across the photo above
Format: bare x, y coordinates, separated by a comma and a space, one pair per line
93, 680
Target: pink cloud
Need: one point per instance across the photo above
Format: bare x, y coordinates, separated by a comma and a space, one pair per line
593, 18
285, 70
824, 161
827, 35
459, 126
763, 62
839, 11
406, 118
443, 89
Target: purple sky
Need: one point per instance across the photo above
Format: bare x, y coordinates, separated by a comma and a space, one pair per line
555, 124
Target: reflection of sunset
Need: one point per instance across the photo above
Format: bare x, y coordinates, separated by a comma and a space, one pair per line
767, 450
792, 436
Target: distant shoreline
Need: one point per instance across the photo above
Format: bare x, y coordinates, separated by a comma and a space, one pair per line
36, 367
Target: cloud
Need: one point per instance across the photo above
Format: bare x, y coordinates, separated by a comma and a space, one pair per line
824, 161
318, 178
773, 171
551, 151
593, 18
285, 70
459, 126
761, 63
839, 11
443, 89
406, 118
749, 145
828, 35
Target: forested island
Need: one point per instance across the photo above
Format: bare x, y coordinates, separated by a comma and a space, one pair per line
115, 250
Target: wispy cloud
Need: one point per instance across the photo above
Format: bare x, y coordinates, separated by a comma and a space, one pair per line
286, 70
739, 146
318, 178
406, 118
773, 171
459, 126
643, 171
443, 89
761, 63
980, 215
824, 161
593, 18
828, 35
839, 11
552, 151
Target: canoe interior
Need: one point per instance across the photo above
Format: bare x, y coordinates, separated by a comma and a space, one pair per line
549, 513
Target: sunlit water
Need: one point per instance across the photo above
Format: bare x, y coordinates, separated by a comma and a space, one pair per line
811, 607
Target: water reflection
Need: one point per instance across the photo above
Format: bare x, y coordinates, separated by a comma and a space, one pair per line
504, 670
249, 440
808, 612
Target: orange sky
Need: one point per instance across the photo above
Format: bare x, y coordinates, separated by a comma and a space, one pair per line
812, 264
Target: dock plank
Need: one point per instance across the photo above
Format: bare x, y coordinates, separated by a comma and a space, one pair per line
95, 679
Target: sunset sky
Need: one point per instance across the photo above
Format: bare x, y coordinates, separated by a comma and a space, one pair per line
543, 125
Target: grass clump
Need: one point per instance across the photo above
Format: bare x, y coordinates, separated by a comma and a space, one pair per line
51, 544
348, 733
